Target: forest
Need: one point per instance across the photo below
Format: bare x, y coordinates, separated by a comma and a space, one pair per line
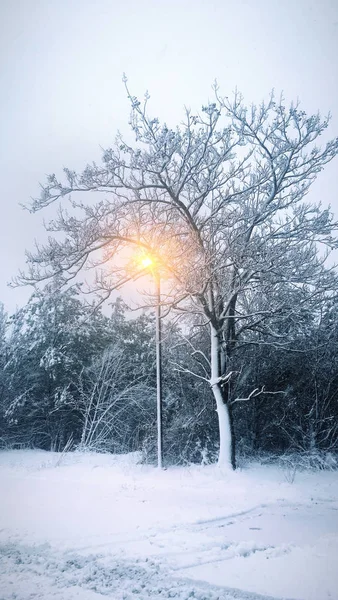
72, 379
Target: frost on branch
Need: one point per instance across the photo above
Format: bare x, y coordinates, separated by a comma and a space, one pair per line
220, 201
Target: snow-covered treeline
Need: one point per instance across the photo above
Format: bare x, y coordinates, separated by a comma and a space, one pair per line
71, 378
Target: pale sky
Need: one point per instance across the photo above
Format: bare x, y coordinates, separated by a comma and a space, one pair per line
62, 96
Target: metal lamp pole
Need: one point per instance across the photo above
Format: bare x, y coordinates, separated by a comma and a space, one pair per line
159, 370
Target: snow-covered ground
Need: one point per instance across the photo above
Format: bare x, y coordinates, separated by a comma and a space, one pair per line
83, 526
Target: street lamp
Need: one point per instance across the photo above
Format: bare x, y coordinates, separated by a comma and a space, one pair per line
148, 262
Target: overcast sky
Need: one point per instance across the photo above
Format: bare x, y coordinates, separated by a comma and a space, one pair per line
62, 97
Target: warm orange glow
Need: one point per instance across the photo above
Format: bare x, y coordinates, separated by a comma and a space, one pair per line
146, 262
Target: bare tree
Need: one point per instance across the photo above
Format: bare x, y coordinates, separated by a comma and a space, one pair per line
219, 202
112, 408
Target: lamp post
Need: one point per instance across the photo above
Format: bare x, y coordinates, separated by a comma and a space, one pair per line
159, 370
148, 262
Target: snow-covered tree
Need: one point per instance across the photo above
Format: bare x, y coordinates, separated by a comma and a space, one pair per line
219, 202
116, 410
51, 341
314, 389
3, 361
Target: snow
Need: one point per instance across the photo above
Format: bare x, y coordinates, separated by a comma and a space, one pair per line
85, 525
224, 459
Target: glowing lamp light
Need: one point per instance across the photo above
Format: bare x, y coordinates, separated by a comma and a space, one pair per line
146, 262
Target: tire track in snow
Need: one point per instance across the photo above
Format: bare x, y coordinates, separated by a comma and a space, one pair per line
233, 515
243, 549
172, 548
194, 527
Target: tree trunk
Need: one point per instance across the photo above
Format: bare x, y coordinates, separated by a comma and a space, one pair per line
225, 458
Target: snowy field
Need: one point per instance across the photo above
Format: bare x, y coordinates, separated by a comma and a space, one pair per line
86, 526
